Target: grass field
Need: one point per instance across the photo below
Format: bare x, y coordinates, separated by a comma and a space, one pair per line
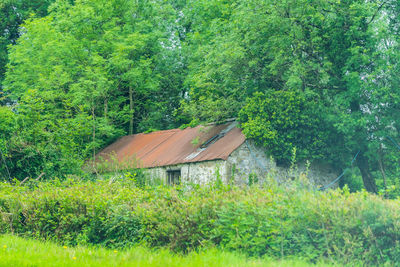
16, 251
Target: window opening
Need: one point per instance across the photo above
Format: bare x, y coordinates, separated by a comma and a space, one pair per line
174, 177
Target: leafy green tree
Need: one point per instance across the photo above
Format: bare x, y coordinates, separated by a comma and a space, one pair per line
7, 126
320, 75
13, 13
336, 50
212, 71
91, 71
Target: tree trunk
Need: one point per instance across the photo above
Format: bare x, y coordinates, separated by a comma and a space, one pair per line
368, 180
131, 110
381, 167
362, 160
94, 138
105, 108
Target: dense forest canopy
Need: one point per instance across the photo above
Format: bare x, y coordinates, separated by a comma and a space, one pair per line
317, 77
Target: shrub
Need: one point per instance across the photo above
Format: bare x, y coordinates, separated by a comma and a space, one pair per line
282, 121
275, 221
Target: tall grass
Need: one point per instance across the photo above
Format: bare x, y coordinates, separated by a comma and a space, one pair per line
15, 251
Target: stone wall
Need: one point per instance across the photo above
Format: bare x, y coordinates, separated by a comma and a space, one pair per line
250, 159
198, 172
246, 160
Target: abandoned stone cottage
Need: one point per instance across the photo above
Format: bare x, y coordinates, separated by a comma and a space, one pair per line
202, 154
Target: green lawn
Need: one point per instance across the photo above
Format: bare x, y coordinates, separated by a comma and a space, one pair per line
16, 251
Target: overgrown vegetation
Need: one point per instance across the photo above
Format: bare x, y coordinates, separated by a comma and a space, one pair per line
21, 252
320, 76
266, 116
273, 221
316, 77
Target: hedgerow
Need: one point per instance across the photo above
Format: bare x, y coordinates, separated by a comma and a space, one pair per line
271, 220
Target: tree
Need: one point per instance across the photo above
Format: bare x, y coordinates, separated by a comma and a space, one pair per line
94, 69
335, 52
13, 14
286, 121
7, 126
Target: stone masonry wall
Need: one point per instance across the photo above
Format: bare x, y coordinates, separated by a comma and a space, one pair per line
245, 160
198, 172
249, 158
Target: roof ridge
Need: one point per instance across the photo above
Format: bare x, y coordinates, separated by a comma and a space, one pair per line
164, 131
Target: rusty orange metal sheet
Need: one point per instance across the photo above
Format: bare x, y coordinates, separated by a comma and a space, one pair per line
171, 147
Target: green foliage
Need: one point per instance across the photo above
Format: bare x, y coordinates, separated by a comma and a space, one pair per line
7, 126
282, 121
342, 55
138, 177
84, 75
7, 122
17, 251
253, 179
13, 13
353, 180
274, 221
195, 141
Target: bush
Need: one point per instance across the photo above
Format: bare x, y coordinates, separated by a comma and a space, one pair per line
275, 221
282, 121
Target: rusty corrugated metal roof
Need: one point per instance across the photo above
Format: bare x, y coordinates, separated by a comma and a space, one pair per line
176, 146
